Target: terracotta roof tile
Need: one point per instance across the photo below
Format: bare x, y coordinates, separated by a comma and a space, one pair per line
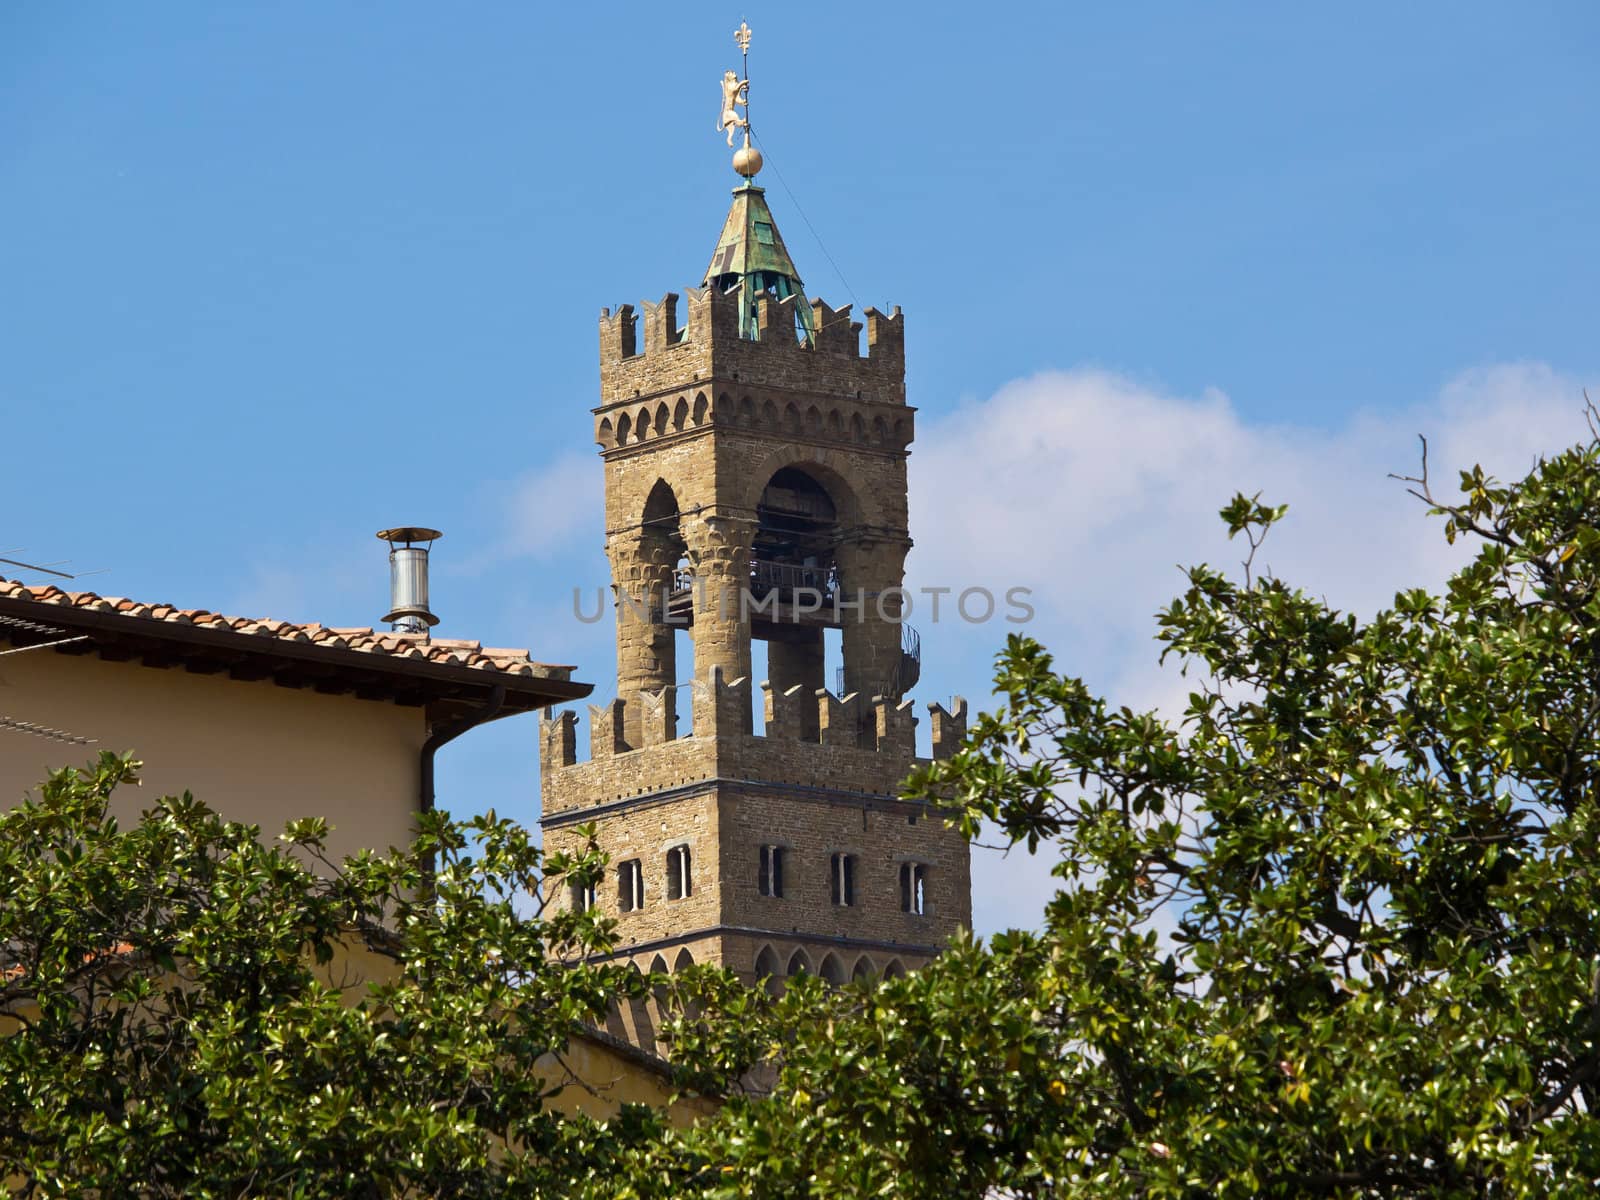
450, 651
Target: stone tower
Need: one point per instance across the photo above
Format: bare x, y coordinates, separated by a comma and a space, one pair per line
755, 482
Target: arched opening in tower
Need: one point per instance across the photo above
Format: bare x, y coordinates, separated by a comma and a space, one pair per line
797, 531
794, 584
660, 521
663, 545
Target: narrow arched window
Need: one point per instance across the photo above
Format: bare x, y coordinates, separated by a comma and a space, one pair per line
679, 884
769, 875
842, 879
914, 888
630, 885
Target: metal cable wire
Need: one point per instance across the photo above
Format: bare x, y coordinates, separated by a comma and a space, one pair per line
790, 193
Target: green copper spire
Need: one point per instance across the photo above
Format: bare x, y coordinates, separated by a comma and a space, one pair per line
751, 257
750, 240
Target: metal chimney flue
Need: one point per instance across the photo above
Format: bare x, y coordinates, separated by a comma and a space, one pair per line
408, 577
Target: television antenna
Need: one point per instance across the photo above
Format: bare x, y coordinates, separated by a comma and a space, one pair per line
49, 568
10, 626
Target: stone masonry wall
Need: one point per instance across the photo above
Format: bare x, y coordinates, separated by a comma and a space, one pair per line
880, 835
645, 355
646, 833
718, 744
694, 421
725, 793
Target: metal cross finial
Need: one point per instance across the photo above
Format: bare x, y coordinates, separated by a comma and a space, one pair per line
742, 36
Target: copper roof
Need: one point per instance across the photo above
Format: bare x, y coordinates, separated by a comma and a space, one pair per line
750, 241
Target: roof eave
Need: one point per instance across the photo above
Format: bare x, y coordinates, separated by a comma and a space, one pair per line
372, 674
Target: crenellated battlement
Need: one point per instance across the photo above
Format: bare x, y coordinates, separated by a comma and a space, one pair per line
645, 351
949, 727
755, 446
857, 744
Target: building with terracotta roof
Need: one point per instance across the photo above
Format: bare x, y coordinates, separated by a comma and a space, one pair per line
264, 720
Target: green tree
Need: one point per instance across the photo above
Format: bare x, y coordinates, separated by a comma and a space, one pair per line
182, 1013
1335, 931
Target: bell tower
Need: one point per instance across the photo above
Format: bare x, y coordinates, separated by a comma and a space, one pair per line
755, 484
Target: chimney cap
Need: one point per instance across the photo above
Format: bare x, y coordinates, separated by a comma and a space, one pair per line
408, 577
408, 534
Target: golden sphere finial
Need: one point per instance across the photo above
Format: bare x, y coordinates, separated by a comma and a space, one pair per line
747, 160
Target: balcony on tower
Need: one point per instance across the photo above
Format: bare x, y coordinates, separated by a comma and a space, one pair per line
902, 677
793, 577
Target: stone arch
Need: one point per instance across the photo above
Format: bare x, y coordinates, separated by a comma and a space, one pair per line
813, 420
769, 971
722, 410
615, 1022
700, 406
799, 964
894, 969
858, 428
902, 432
823, 467
747, 411
880, 429
663, 416
634, 1017
769, 414
831, 970
683, 960
660, 507
607, 433
641, 425
835, 423
864, 969
797, 534
624, 427
791, 418
657, 1002
680, 413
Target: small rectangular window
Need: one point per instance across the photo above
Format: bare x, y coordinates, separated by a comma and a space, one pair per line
678, 881
630, 885
769, 877
842, 880
913, 888
764, 233
581, 895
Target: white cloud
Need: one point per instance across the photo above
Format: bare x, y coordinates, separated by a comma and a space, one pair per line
1092, 488
552, 507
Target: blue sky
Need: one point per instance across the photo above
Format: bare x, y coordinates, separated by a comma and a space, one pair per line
279, 275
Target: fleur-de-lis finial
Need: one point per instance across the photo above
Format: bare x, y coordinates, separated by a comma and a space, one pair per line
736, 94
